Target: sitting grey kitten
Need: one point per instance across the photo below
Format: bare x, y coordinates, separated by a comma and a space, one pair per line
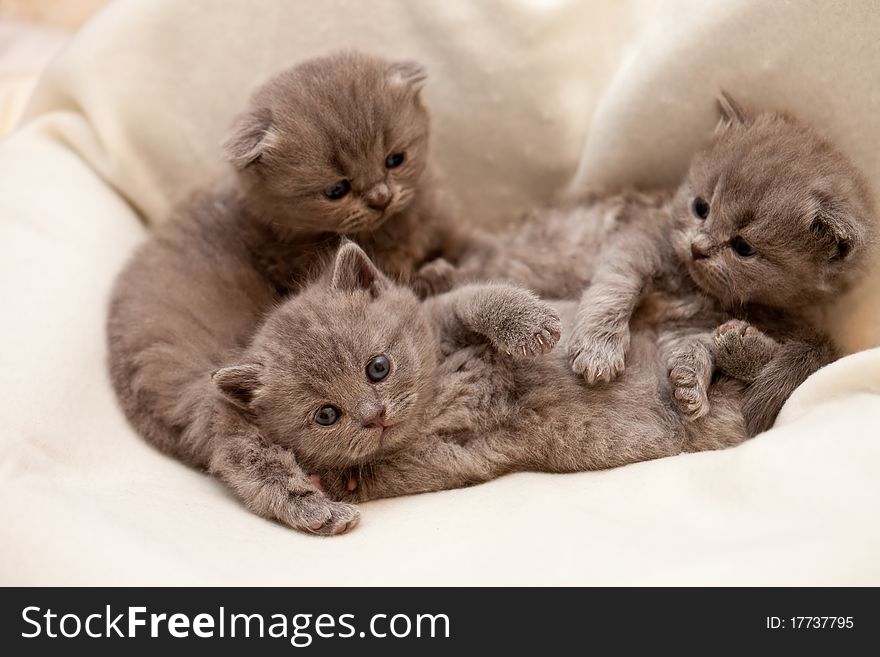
381, 394
770, 225
335, 146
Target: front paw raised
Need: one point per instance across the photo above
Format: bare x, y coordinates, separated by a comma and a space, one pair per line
528, 328
599, 356
313, 512
741, 350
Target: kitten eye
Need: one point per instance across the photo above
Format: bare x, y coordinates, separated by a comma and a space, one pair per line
327, 415
338, 190
700, 207
394, 160
378, 368
742, 248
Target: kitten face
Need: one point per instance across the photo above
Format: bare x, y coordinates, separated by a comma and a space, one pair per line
335, 144
342, 373
771, 214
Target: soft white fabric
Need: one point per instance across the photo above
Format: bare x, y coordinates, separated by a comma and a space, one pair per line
25, 50
522, 91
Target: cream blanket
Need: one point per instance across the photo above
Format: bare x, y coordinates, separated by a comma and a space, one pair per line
528, 95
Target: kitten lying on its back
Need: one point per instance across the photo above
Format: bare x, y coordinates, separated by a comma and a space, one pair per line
334, 146
356, 375
769, 226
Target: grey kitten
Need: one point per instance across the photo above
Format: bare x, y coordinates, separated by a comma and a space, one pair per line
335, 146
381, 394
769, 226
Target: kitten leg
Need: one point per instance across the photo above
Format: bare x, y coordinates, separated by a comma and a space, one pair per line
513, 320
724, 425
773, 370
742, 351
691, 366
267, 478
435, 277
789, 366
601, 336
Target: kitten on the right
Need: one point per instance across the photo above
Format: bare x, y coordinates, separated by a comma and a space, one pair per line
769, 226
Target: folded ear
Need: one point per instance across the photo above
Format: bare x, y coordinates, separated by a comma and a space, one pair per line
252, 135
353, 271
836, 235
239, 384
732, 112
408, 74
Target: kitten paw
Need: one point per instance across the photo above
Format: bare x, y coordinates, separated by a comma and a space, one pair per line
739, 325
434, 278
534, 330
688, 391
741, 350
315, 513
343, 486
599, 357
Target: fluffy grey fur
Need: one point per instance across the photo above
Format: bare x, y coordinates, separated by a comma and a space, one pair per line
334, 146
474, 390
769, 226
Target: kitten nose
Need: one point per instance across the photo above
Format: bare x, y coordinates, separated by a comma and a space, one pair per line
378, 196
375, 418
699, 250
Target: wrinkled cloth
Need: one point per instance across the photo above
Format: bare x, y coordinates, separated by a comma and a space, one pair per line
530, 98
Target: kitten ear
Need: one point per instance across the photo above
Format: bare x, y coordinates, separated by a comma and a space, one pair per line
732, 112
239, 384
252, 134
353, 271
835, 229
836, 235
408, 74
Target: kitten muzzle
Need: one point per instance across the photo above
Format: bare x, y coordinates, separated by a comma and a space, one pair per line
379, 196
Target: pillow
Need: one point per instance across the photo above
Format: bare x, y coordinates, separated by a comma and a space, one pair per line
511, 86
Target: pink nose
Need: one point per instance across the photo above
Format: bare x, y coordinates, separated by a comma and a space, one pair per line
699, 251
378, 196
376, 420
